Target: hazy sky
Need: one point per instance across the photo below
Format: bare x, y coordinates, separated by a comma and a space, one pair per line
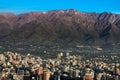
22, 6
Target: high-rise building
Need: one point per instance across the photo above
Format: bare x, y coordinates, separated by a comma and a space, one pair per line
67, 54
40, 74
76, 73
46, 75
57, 75
58, 56
116, 78
61, 54
99, 76
116, 71
27, 76
89, 74
88, 77
2, 58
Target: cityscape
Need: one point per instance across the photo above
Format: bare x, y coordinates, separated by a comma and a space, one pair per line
64, 66
60, 40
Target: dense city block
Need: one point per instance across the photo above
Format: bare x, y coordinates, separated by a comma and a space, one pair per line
65, 66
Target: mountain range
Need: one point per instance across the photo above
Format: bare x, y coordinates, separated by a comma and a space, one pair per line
60, 27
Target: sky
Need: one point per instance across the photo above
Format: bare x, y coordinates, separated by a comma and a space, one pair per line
23, 6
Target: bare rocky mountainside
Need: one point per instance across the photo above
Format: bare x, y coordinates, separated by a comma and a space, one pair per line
60, 27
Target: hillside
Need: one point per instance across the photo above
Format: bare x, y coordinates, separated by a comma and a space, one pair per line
60, 27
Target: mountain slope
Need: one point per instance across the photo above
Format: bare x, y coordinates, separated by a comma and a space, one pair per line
61, 26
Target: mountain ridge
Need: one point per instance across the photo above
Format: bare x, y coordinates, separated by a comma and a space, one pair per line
61, 26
